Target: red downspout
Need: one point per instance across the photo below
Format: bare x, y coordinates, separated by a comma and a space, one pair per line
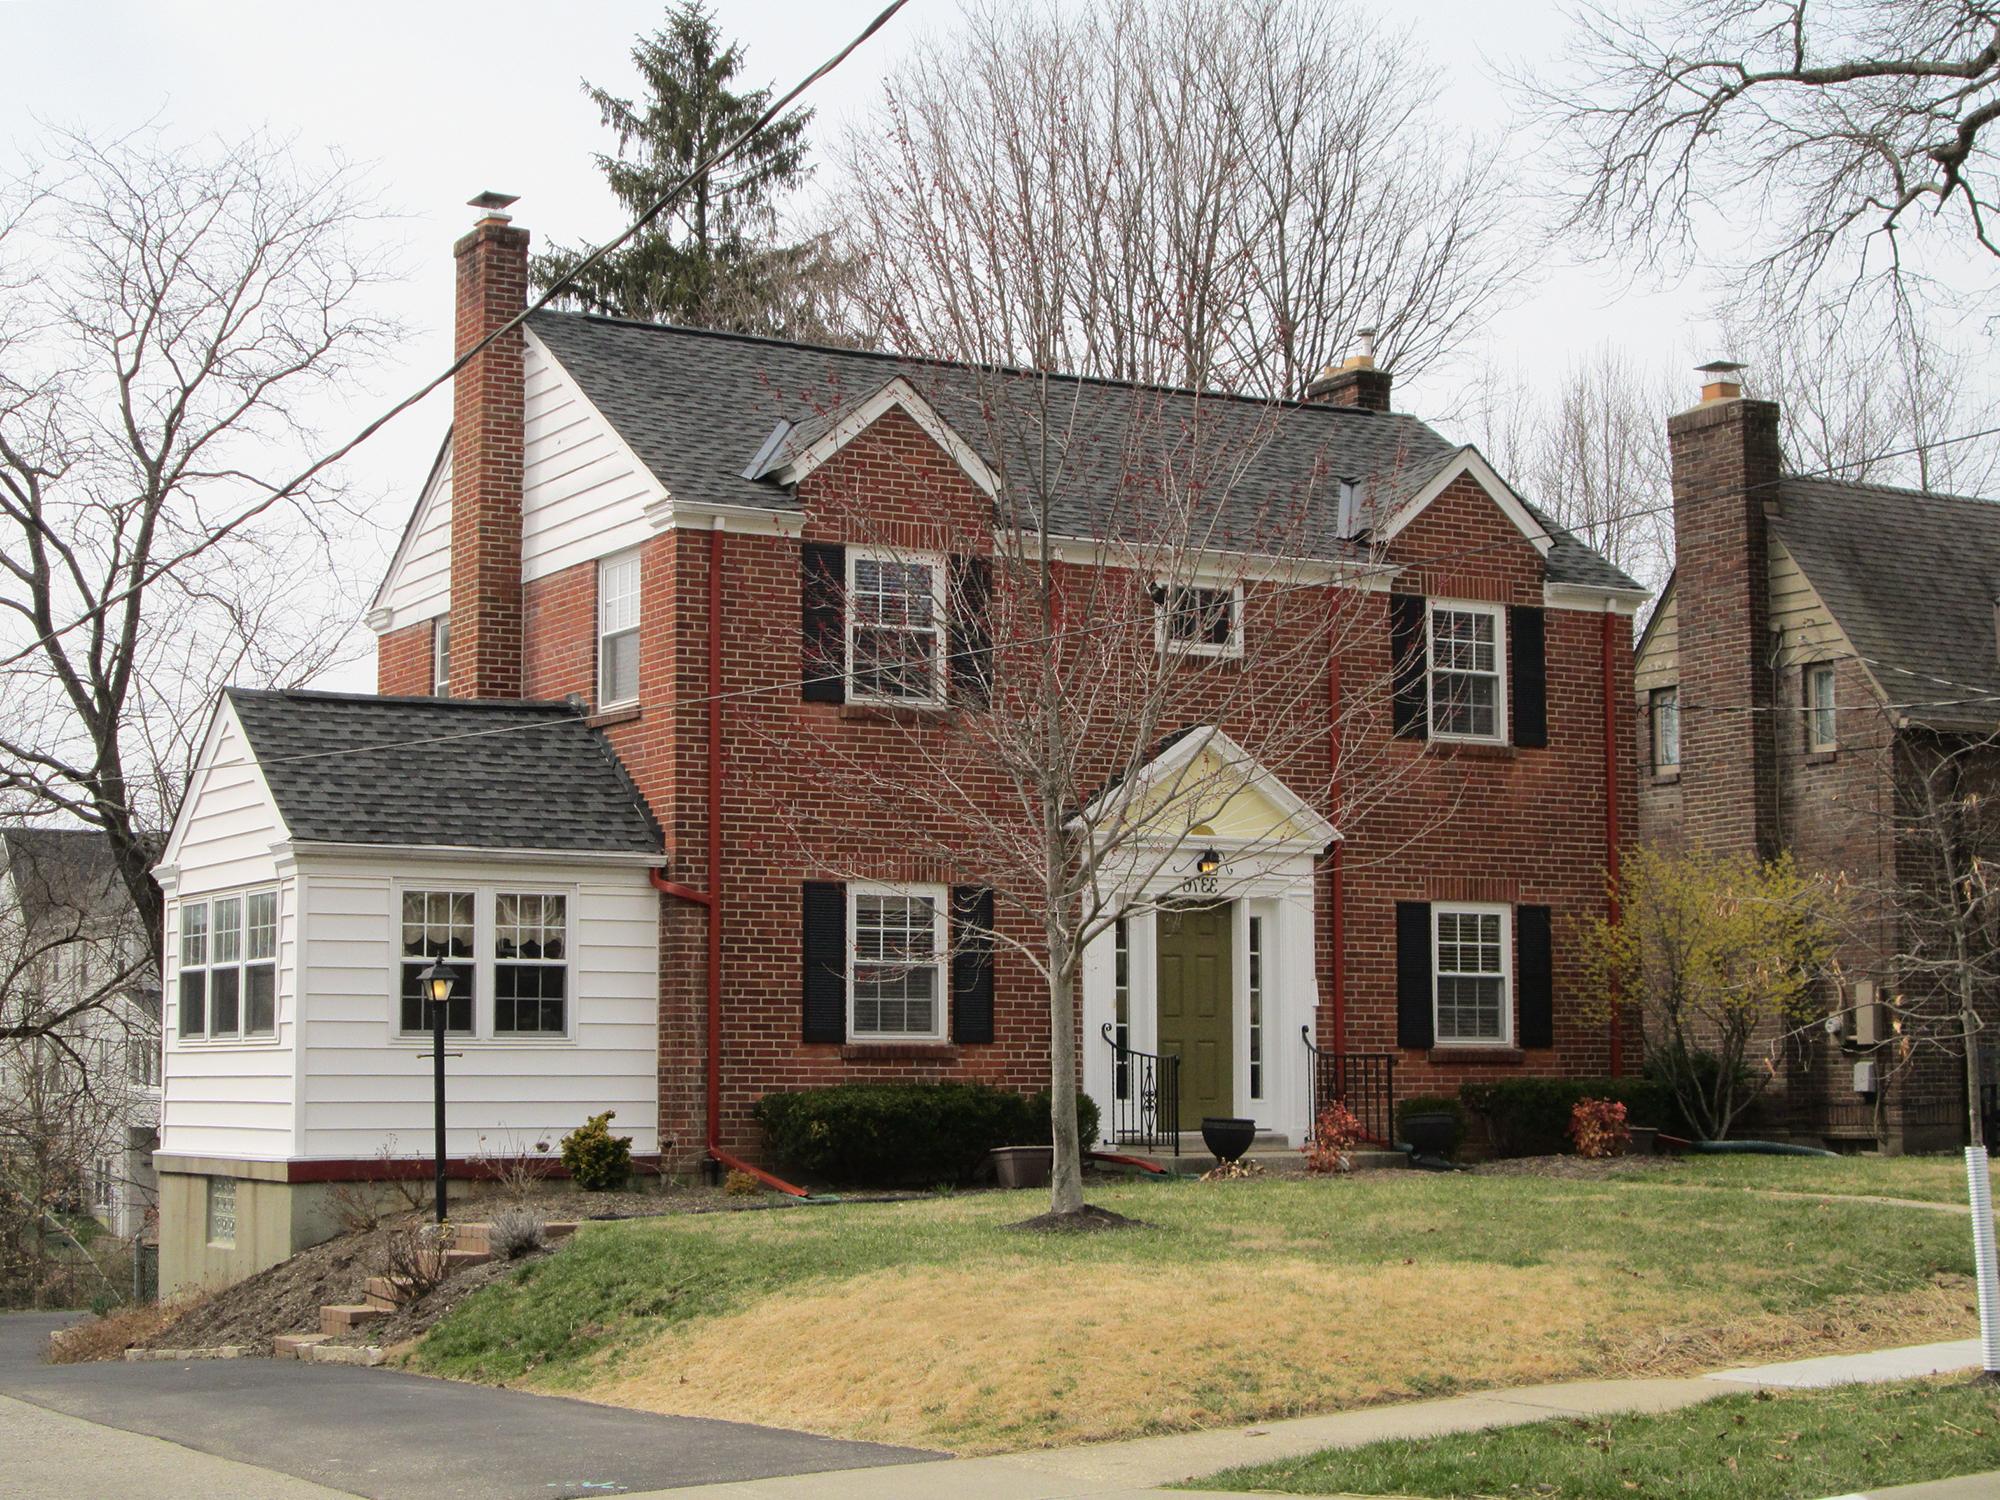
710, 900
1336, 912
1610, 647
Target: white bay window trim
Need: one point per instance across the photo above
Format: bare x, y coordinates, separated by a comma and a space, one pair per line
1472, 969
890, 596
539, 910
1471, 651
896, 963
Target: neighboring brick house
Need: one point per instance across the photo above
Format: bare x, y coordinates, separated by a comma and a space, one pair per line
1813, 630
610, 488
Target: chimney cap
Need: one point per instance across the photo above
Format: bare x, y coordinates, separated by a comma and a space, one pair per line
492, 202
1713, 367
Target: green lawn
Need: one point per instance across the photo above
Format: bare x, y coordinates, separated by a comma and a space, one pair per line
930, 1322
1935, 1179
1791, 1445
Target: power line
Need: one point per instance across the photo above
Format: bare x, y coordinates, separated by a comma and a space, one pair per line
305, 476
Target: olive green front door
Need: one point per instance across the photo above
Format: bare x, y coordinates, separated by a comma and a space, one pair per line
1195, 983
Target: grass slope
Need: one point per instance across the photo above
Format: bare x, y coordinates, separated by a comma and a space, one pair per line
929, 1322
1791, 1445
1933, 1179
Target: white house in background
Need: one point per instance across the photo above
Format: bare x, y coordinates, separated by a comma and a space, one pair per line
332, 846
72, 945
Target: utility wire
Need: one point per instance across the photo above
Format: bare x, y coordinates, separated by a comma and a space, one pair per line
305, 476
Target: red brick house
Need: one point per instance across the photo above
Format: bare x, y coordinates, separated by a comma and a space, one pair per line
704, 542
1818, 640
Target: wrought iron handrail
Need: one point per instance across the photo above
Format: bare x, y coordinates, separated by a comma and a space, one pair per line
1146, 1096
1365, 1082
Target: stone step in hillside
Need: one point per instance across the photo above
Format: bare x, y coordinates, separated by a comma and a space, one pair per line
476, 1236
387, 1292
345, 1317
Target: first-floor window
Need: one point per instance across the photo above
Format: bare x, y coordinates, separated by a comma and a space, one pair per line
1256, 1007
221, 1211
228, 977
896, 971
437, 925
1666, 704
1471, 973
1466, 686
1821, 733
530, 963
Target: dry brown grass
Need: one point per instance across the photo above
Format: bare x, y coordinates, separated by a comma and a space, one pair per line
109, 1336
994, 1362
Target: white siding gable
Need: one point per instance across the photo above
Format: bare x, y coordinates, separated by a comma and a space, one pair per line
418, 585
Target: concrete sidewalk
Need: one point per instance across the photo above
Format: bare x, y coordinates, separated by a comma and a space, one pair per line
1122, 1471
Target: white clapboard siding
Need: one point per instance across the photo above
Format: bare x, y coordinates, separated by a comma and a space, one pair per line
583, 491
419, 583
367, 1089
1659, 663
1806, 628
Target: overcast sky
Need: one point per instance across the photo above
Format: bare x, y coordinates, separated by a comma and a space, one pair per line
443, 98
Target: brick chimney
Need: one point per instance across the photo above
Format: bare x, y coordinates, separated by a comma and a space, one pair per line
486, 437
1725, 467
1356, 382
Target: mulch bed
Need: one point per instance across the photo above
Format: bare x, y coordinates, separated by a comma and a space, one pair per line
1086, 1220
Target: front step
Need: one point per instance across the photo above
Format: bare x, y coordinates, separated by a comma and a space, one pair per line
296, 1345
345, 1317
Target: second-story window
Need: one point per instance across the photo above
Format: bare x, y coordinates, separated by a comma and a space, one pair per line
1467, 688
1666, 712
895, 635
441, 657
618, 630
1196, 620
1821, 731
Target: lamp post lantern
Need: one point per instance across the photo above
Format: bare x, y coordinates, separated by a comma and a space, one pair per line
437, 982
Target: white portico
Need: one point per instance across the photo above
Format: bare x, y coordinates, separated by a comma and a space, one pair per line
1214, 965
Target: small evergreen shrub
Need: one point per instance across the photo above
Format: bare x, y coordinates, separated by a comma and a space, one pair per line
597, 1161
906, 1134
741, 1185
1434, 1104
1598, 1128
1531, 1116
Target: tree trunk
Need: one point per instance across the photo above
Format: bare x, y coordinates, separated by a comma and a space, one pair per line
1066, 1170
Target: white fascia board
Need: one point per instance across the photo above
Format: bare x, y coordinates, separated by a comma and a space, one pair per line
635, 859
896, 393
1469, 460
667, 514
1209, 566
1318, 832
1594, 600
379, 617
167, 867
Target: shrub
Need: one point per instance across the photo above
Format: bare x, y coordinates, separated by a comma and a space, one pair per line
597, 1161
1530, 1116
741, 1185
1335, 1135
515, 1231
905, 1134
418, 1255
1435, 1104
1598, 1128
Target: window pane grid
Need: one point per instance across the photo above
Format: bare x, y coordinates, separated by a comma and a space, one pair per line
530, 969
895, 641
618, 629
1471, 977
896, 961
437, 924
1666, 727
1197, 616
1465, 672
228, 979
1256, 999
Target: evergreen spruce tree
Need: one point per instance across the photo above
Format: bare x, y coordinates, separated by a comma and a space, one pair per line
713, 259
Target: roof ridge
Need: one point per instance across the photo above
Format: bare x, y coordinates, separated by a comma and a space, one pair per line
1888, 489
933, 362
325, 695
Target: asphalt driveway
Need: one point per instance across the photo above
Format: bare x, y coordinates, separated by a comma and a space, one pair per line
392, 1436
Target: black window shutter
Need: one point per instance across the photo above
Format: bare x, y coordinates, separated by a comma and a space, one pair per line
1410, 714
1528, 675
971, 964
824, 932
1415, 1025
1534, 961
971, 630
822, 622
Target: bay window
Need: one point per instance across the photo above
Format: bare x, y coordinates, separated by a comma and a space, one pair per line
228, 972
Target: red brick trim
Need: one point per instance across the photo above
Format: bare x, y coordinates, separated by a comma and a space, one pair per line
1463, 888
899, 1052
376, 1169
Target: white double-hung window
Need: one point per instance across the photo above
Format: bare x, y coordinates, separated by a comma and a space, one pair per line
227, 976
1822, 731
1198, 619
1471, 949
895, 627
618, 630
895, 984
1467, 671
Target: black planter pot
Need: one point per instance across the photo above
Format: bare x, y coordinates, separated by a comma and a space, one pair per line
1227, 1138
1431, 1135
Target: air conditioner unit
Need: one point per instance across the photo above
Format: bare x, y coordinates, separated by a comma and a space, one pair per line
1866, 1079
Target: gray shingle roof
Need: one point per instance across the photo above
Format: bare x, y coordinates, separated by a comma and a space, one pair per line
698, 408
439, 771
1912, 579
65, 872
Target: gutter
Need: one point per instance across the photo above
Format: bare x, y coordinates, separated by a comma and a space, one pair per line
710, 900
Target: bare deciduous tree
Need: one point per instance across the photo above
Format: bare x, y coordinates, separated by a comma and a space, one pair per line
1851, 138
169, 315
1205, 193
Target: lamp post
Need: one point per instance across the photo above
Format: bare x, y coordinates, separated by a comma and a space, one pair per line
438, 981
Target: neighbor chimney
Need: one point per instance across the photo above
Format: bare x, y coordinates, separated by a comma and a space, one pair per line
1724, 454
486, 436
1356, 382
